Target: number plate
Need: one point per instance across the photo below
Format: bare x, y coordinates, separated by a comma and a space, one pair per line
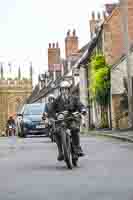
40, 126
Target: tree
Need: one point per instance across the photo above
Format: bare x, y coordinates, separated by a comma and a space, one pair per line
31, 71
100, 85
19, 73
2, 71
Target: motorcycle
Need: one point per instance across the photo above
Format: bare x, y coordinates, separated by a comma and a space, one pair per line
50, 126
11, 130
51, 130
70, 158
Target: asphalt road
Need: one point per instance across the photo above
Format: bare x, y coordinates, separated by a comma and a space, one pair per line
30, 171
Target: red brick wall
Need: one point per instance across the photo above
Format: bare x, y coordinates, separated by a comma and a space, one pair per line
53, 54
71, 44
113, 33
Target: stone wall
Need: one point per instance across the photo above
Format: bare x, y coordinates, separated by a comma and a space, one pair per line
12, 94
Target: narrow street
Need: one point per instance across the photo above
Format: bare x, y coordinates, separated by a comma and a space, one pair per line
30, 171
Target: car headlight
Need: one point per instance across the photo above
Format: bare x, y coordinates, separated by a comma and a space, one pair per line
60, 117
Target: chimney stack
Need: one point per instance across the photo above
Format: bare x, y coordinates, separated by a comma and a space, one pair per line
53, 56
94, 22
71, 43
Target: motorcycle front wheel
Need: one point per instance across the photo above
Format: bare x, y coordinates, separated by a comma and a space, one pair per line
74, 158
66, 145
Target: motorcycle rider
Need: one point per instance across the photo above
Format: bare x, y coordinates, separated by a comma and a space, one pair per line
63, 102
49, 113
49, 107
10, 122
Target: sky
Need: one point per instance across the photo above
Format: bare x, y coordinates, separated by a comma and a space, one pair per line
28, 26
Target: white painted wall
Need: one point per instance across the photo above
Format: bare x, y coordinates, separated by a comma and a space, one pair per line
117, 75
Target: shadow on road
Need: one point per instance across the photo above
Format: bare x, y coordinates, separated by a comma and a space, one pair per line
47, 167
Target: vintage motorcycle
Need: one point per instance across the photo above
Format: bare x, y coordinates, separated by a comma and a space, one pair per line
51, 127
70, 158
49, 123
11, 130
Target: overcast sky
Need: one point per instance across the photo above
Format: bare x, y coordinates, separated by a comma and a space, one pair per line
27, 26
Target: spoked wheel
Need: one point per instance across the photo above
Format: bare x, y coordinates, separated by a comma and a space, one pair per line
66, 145
52, 139
52, 136
22, 134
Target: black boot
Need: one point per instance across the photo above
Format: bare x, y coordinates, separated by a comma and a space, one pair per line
76, 143
78, 150
60, 156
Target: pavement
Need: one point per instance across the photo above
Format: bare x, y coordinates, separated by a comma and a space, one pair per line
29, 170
125, 135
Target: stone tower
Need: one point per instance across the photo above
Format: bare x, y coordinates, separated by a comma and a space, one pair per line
71, 43
13, 93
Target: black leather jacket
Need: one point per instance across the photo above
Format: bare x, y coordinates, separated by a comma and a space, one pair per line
72, 104
50, 110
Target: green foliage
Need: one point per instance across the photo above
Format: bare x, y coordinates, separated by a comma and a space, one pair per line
19, 73
100, 80
100, 85
98, 62
25, 79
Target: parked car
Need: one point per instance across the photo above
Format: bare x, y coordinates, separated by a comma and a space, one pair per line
30, 120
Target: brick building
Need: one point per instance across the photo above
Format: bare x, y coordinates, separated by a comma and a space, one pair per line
112, 39
112, 42
58, 66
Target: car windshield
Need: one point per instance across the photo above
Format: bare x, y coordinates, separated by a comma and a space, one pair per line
34, 110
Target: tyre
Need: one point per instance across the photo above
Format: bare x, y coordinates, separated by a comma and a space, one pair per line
66, 145
74, 158
9, 133
52, 138
22, 134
